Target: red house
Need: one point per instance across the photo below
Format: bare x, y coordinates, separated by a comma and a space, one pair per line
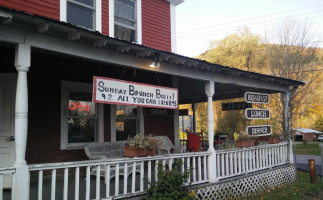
53, 51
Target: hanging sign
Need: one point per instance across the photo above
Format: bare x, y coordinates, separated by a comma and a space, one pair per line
252, 97
251, 113
236, 106
258, 130
114, 91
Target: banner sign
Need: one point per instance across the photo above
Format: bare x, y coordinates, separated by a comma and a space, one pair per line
114, 91
258, 130
236, 106
251, 113
252, 97
158, 111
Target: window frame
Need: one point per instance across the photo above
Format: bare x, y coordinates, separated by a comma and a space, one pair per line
97, 16
66, 88
138, 24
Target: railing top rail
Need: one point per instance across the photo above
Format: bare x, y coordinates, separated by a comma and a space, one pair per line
85, 163
7, 170
251, 148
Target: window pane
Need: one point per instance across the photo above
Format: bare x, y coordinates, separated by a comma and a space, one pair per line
86, 2
125, 129
126, 112
79, 15
125, 22
125, 9
81, 130
80, 104
124, 33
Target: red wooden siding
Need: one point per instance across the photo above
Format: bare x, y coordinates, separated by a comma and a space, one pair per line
105, 17
160, 125
156, 30
47, 8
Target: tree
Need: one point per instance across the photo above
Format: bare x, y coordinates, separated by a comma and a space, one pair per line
292, 54
319, 124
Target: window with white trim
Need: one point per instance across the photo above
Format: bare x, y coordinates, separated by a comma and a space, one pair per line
82, 13
125, 20
80, 118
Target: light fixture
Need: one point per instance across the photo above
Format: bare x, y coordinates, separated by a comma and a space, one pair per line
155, 63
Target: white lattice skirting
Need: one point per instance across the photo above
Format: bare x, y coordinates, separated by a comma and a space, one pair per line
249, 184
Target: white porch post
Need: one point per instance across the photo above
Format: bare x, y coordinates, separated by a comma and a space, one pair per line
209, 91
21, 180
176, 117
286, 126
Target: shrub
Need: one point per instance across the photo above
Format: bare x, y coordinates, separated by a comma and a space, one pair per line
170, 184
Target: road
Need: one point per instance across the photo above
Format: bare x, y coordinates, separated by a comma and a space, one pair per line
302, 163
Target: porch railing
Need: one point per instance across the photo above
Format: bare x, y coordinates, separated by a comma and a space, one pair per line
5, 173
238, 161
72, 172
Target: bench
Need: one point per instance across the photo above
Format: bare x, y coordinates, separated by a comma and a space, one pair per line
107, 150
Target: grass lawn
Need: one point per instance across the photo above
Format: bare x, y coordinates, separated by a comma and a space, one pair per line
310, 148
301, 189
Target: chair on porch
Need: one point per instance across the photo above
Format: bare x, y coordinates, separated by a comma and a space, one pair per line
107, 150
166, 146
193, 143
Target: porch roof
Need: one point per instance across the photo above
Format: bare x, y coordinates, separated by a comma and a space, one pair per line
230, 82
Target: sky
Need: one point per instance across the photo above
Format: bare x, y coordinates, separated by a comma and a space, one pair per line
199, 22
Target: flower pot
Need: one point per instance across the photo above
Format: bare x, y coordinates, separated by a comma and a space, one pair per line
245, 143
274, 140
135, 152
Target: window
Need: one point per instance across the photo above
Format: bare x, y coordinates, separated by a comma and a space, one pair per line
80, 116
81, 12
127, 121
125, 21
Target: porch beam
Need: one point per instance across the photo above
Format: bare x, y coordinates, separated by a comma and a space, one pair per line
209, 91
72, 48
22, 64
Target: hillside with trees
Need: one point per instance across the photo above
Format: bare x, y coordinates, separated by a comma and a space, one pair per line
290, 52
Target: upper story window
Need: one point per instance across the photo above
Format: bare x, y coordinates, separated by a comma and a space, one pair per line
81, 12
125, 21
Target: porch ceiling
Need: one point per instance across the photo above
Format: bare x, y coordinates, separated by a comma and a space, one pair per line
192, 73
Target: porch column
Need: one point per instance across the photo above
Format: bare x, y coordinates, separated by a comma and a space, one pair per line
21, 179
177, 141
194, 106
286, 96
209, 91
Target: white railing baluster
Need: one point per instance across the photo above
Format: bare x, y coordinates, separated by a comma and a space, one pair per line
253, 156
87, 189
40, 185
53, 185
142, 171
218, 164
239, 162
116, 178
65, 195
199, 168
170, 164
133, 185
125, 179
149, 173
183, 163
188, 160
194, 169
77, 183
1, 186
156, 170
97, 185
231, 162
222, 165
204, 168
227, 164
107, 180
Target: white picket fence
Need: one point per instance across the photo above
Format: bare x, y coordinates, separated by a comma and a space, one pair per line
240, 161
116, 187
5, 173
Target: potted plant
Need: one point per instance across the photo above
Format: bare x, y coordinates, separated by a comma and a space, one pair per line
141, 145
274, 138
245, 141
